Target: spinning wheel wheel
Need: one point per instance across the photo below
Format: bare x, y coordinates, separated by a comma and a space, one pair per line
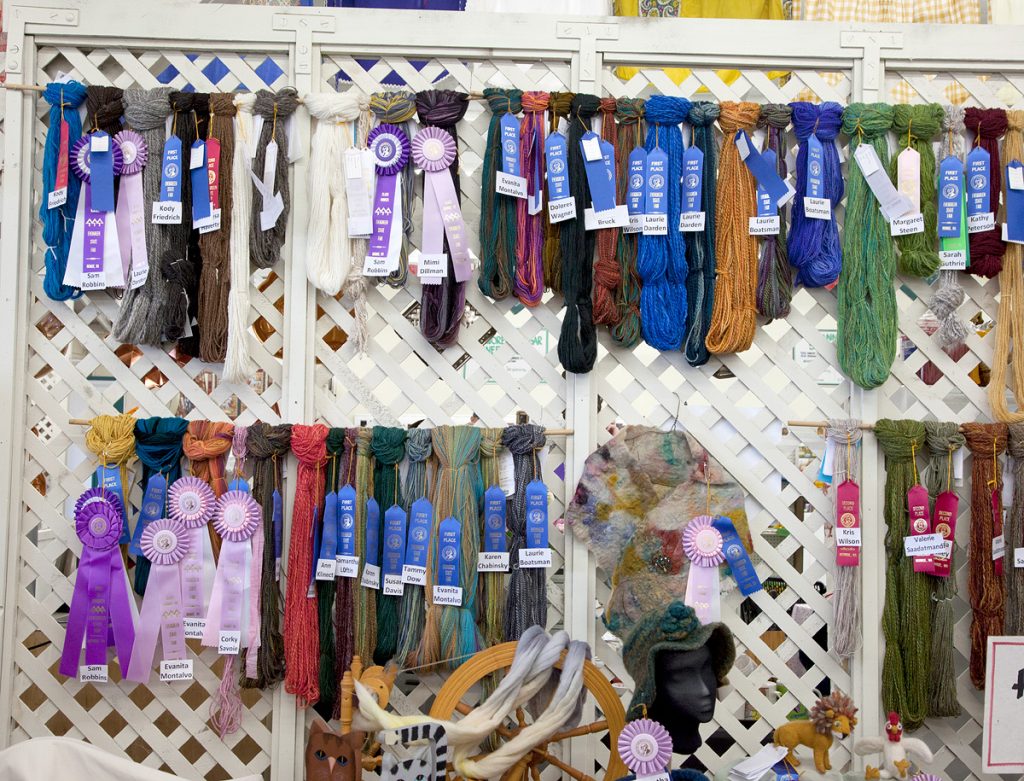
449, 702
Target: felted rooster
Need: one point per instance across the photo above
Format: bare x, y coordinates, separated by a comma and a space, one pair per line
897, 751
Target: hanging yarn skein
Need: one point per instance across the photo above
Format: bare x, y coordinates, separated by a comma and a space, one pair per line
845, 436
111, 438
734, 317
188, 343
326, 590
301, 624
492, 584
497, 212
1013, 533
607, 274
700, 249
388, 445
906, 616
418, 450
103, 108
943, 440
399, 108
814, 248
661, 260
237, 364
329, 251
344, 594
158, 444
442, 305
867, 326
915, 126
527, 588
577, 342
215, 278
987, 247
627, 331
356, 285
58, 222
529, 279
987, 586
559, 106
949, 295
365, 608
774, 273
1010, 317
274, 108
206, 444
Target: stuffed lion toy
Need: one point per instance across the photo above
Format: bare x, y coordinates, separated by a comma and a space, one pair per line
830, 716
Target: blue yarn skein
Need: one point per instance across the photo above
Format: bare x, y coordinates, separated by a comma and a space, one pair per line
661, 261
64, 100
814, 247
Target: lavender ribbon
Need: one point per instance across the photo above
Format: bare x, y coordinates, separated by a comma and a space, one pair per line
390, 148
130, 214
703, 544
433, 150
237, 519
191, 502
99, 605
165, 543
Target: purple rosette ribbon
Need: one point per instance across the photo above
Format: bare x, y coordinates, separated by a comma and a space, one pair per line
236, 520
703, 545
434, 150
91, 243
645, 747
390, 147
191, 501
165, 543
130, 215
100, 603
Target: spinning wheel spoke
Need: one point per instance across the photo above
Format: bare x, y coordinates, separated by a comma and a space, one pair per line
521, 717
566, 768
583, 729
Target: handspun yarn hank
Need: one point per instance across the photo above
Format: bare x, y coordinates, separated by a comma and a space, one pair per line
814, 248
559, 105
497, 212
237, 364
949, 296
443, 305
629, 113
845, 635
158, 444
329, 250
399, 108
267, 447
987, 588
418, 450
365, 608
1013, 533
301, 625
206, 444
529, 278
943, 440
388, 445
492, 584
906, 615
189, 342
1010, 317
64, 99
700, 249
577, 341
987, 247
344, 588
774, 273
356, 285
661, 261
215, 278
527, 588
326, 590
733, 319
607, 274
915, 126
103, 108
274, 108
141, 318
867, 325
111, 438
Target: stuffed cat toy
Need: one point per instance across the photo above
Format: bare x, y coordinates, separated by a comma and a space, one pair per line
333, 757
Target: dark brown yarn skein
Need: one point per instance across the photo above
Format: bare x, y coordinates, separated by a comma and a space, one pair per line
987, 247
275, 108
199, 121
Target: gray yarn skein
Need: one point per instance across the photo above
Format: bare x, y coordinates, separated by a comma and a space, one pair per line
845, 636
140, 320
527, 602
265, 246
1012, 532
943, 440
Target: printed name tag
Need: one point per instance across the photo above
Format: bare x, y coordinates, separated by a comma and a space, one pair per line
432, 265
172, 670
326, 569
764, 226
507, 184
194, 628
562, 209
393, 586
655, 225
636, 224
92, 673
953, 260
1018, 558
371, 577
448, 595
228, 643
166, 213
848, 538
346, 566
610, 218
924, 545
979, 223
691, 222
492, 562
904, 226
534, 558
416, 576
818, 208
208, 224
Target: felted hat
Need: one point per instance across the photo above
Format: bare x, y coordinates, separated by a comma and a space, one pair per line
635, 498
676, 628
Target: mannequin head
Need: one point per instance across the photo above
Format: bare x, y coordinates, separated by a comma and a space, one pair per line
686, 688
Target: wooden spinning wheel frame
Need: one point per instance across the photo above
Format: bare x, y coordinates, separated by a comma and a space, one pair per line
449, 702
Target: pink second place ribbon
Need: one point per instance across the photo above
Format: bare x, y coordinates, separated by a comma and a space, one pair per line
703, 544
434, 150
237, 519
99, 605
164, 543
191, 501
130, 214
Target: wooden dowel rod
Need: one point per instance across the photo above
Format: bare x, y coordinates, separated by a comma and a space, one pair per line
824, 424
23, 87
551, 432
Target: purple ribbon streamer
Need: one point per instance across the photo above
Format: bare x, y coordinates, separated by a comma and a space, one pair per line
160, 608
383, 213
92, 249
226, 599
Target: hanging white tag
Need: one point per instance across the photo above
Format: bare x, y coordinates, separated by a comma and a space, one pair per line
692, 222
229, 642
1014, 176
371, 576
174, 670
393, 586
591, 148
764, 226
534, 558
952, 260
507, 184
492, 561
506, 473
979, 223
346, 566
561, 210
817, 208
448, 595
906, 225
998, 547
92, 673
609, 218
326, 569
413, 575
1018, 558
194, 628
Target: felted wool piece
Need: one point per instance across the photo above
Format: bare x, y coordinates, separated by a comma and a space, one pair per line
636, 496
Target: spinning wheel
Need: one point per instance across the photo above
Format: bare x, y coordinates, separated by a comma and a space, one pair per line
449, 702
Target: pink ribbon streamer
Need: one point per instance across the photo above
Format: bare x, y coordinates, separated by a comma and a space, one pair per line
255, 578
131, 229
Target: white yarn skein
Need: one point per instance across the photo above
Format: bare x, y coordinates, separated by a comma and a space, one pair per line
355, 286
238, 366
329, 250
